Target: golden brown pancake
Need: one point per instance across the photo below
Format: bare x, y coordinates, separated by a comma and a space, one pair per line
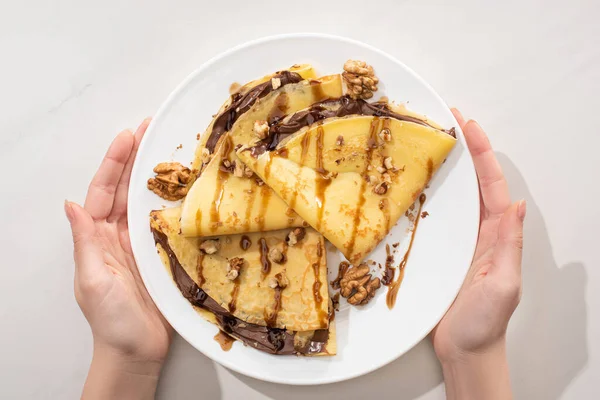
221, 203
272, 339
352, 177
300, 306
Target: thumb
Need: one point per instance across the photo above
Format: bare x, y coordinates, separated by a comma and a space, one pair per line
87, 252
509, 249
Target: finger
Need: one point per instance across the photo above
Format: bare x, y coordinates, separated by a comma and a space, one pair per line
508, 250
101, 193
87, 253
459, 117
493, 186
119, 209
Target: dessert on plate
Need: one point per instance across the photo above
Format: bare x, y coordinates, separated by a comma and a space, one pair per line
289, 162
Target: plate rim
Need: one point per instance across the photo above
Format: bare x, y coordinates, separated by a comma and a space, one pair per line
164, 108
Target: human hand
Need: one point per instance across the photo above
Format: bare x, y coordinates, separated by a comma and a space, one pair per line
472, 333
130, 334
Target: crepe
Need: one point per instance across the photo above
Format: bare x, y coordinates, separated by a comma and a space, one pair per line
333, 173
221, 203
302, 305
177, 254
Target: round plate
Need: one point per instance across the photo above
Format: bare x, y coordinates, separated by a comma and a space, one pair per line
367, 337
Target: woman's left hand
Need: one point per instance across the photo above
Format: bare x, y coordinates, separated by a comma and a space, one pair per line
129, 332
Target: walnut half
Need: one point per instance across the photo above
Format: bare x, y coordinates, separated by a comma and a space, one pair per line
172, 180
360, 79
358, 286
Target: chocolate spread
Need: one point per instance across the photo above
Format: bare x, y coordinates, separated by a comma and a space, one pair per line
341, 107
270, 340
240, 103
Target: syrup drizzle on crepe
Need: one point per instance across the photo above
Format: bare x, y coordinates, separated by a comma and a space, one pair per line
321, 183
245, 242
199, 268
271, 317
222, 176
234, 295
264, 257
323, 316
393, 288
371, 144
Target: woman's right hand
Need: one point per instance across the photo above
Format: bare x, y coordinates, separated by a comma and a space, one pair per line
470, 340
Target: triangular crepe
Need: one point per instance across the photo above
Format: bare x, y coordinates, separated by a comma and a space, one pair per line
302, 305
334, 175
221, 203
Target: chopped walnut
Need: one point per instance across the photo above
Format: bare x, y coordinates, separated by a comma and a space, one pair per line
227, 166
360, 79
259, 182
280, 280
339, 141
210, 246
295, 236
381, 169
239, 169
358, 286
276, 83
387, 178
205, 156
381, 188
233, 268
276, 255
261, 129
385, 135
172, 180
373, 179
387, 163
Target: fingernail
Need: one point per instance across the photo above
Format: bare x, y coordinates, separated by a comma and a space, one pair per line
522, 210
69, 211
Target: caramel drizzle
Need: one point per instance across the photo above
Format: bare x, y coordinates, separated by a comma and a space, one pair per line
393, 288
234, 295
224, 340
264, 257
304, 145
249, 205
371, 144
221, 178
199, 269
245, 242
321, 183
429, 169
271, 318
265, 193
323, 316
199, 221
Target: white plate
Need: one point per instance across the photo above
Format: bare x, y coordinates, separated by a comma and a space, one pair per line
368, 337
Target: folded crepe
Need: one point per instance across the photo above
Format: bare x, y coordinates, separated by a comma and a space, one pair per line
225, 199
294, 319
349, 168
